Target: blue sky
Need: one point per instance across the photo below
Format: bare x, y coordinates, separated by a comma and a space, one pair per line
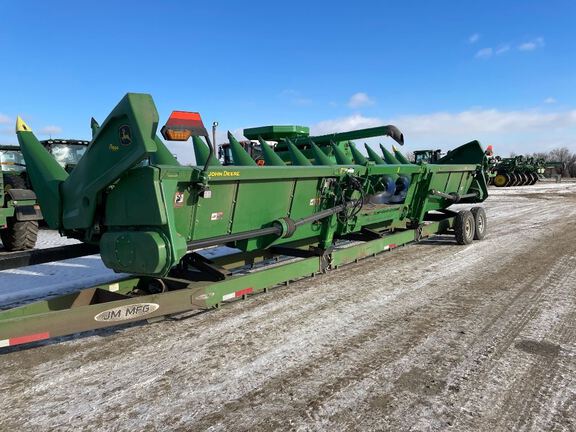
445, 72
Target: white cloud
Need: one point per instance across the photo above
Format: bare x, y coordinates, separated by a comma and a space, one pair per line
519, 131
474, 38
484, 53
355, 121
360, 99
550, 100
487, 120
532, 45
502, 49
4, 119
51, 130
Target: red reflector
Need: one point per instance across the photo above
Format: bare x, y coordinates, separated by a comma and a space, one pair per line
183, 124
244, 292
29, 338
184, 115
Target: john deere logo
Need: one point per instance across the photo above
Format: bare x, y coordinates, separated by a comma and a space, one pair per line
125, 135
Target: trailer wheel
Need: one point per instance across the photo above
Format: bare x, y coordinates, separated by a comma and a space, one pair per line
479, 222
464, 227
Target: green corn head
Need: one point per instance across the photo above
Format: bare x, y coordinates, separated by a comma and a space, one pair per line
130, 196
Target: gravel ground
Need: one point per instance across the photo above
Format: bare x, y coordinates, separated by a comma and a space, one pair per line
429, 337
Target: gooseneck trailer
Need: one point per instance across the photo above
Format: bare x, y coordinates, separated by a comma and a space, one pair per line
305, 211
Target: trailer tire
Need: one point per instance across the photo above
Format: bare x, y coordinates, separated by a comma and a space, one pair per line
464, 227
480, 225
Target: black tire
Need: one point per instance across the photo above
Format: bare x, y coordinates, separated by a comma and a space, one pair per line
18, 235
464, 227
480, 225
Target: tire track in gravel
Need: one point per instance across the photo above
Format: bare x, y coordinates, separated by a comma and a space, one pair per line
409, 407
547, 351
516, 316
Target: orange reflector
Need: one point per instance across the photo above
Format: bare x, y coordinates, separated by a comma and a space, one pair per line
181, 125
176, 135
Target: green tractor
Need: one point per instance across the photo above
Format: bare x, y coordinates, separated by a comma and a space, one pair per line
19, 212
428, 156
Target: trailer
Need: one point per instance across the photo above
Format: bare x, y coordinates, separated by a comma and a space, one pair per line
151, 217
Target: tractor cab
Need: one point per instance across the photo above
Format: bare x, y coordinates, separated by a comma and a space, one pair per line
11, 160
67, 152
427, 156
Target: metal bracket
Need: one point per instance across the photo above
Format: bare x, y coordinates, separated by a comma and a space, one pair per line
205, 265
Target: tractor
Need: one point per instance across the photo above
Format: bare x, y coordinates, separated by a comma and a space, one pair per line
19, 212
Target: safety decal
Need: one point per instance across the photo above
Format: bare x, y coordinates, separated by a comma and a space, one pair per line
179, 199
216, 216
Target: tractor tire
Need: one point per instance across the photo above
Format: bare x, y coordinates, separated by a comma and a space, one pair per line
534, 178
19, 235
464, 227
480, 225
500, 180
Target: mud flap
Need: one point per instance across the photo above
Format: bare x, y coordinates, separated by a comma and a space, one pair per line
28, 213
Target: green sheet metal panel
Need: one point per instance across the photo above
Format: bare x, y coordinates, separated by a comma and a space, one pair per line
261, 202
136, 200
213, 216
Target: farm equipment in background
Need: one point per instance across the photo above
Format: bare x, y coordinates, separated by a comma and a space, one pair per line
517, 171
19, 212
310, 208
